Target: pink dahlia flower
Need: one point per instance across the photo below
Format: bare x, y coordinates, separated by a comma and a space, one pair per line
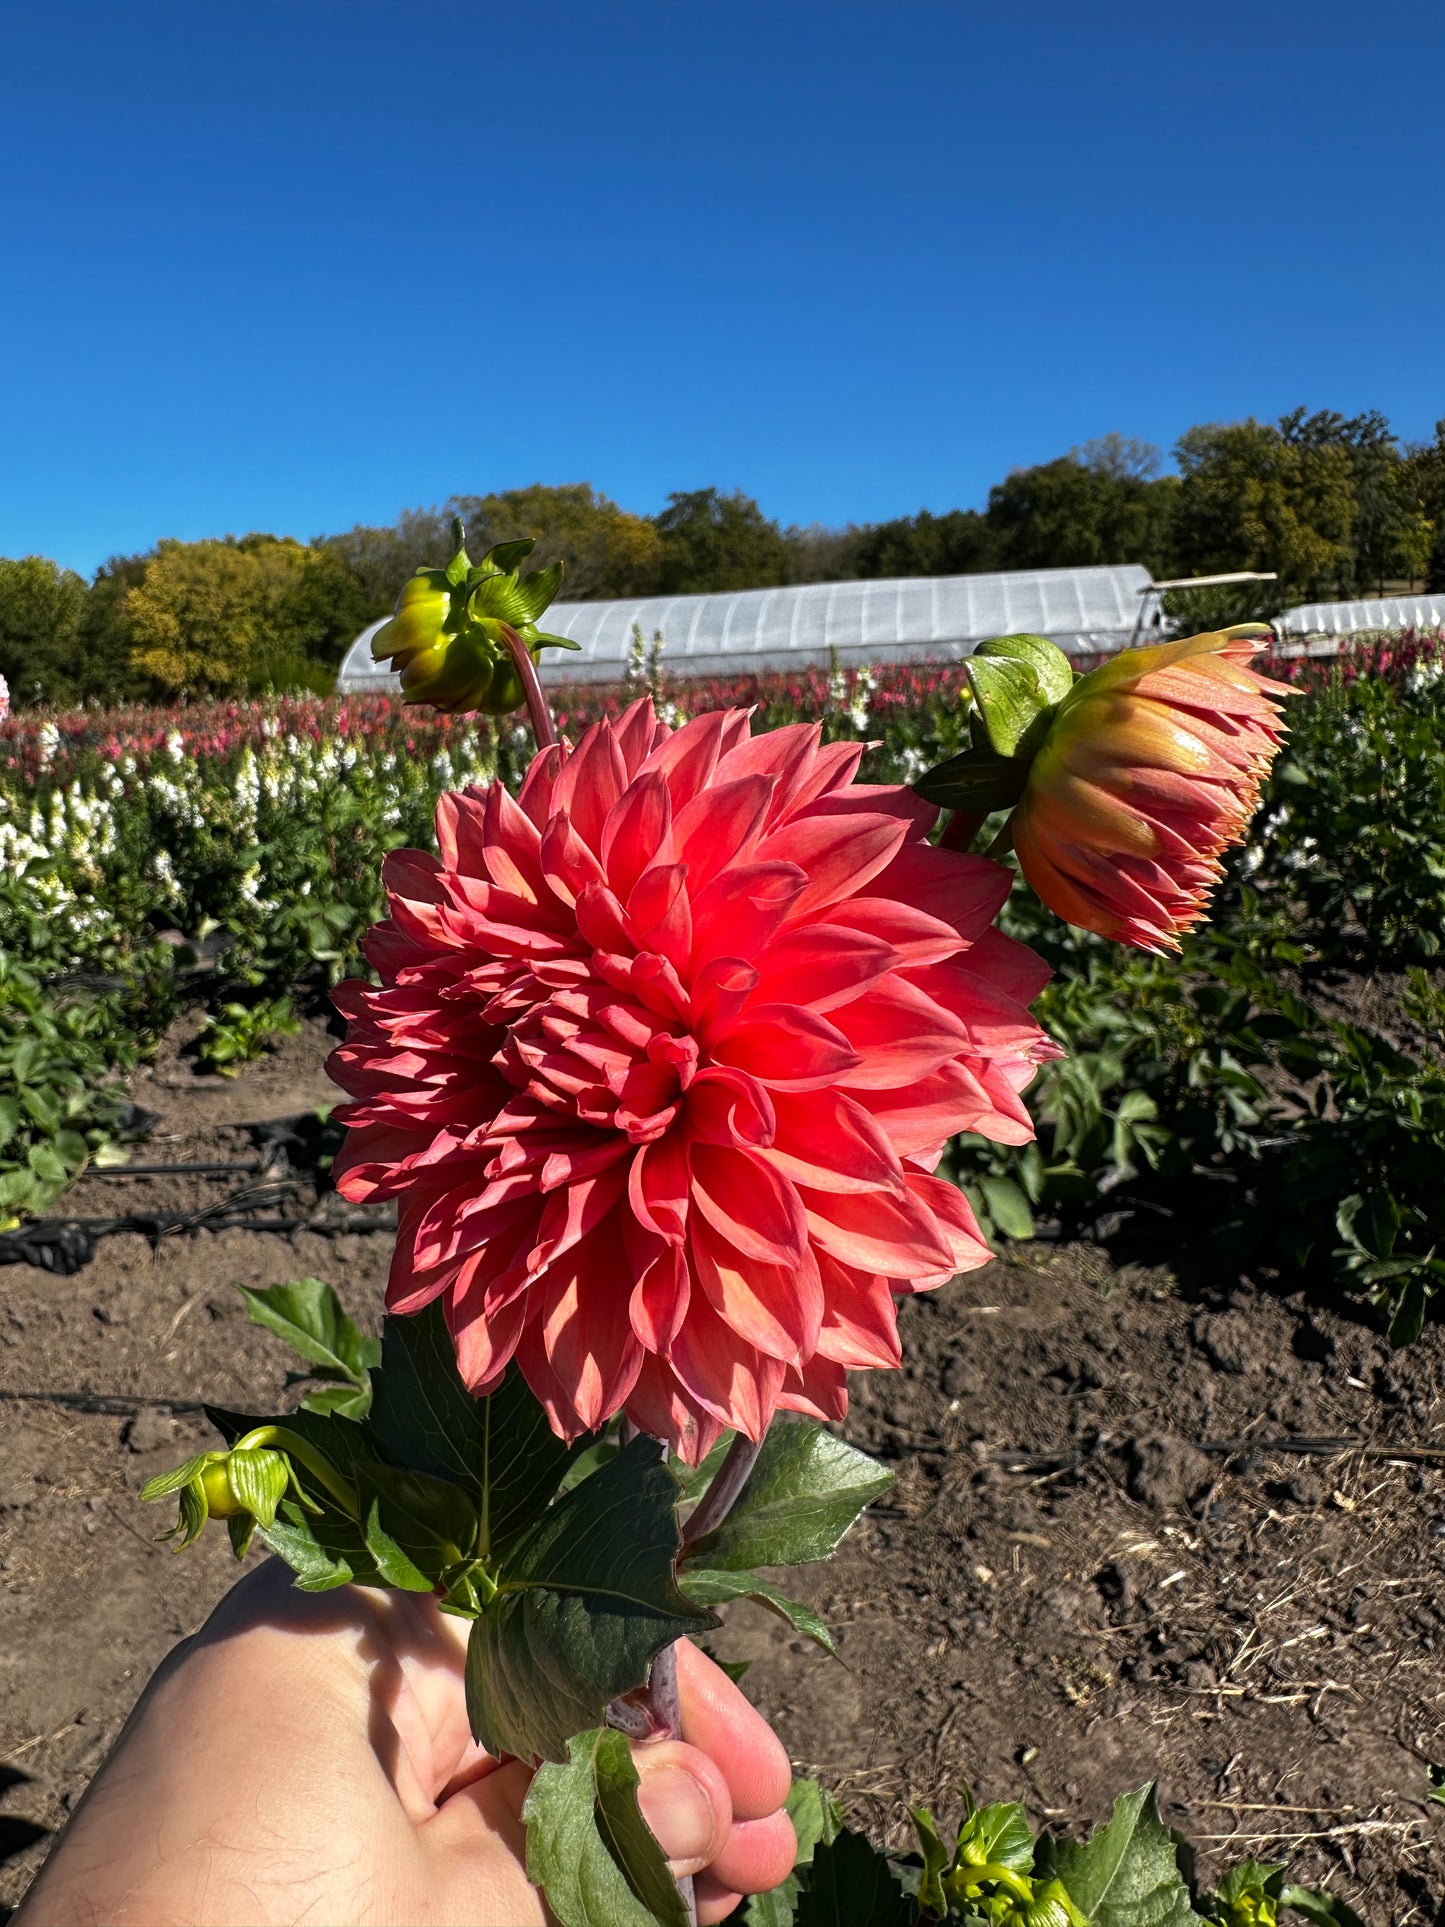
664, 1055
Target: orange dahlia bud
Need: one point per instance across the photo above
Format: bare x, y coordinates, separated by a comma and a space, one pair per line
1150, 769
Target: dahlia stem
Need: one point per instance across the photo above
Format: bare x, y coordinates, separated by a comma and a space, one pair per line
718, 1501
960, 830
543, 728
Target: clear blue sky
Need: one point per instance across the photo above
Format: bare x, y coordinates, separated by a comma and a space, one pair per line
293, 266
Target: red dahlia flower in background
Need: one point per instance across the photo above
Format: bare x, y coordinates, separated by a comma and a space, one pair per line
1150, 769
664, 1055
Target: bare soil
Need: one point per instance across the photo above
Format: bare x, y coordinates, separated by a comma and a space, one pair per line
1126, 1541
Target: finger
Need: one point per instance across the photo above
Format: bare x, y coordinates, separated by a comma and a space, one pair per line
756, 1855
714, 1901
684, 1800
717, 1719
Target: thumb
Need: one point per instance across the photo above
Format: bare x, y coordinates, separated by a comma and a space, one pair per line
685, 1801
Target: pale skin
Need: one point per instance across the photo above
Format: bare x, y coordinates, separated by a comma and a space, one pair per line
306, 1758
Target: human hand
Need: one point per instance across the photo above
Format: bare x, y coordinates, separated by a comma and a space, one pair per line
307, 1757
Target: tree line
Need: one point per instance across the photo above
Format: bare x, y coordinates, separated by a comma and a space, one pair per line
1334, 504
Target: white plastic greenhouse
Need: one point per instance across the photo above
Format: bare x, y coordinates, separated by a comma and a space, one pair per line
914, 619
1358, 618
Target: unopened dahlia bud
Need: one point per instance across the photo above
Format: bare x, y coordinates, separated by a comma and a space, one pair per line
451, 634
1126, 786
1150, 770
245, 1483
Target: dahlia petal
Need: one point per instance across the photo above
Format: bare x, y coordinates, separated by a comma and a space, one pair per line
819, 1390
590, 782
592, 1350
534, 798
860, 1322
637, 832
568, 864
822, 964
899, 1031
1011, 967
485, 1343
786, 754
660, 1299
726, 1106
741, 909
659, 1406
831, 1143
787, 1048
723, 1373
753, 1206
637, 730
658, 1186
720, 826
511, 852
965, 892
660, 912
461, 834
956, 1224
687, 759
837, 854
893, 1235
776, 1308
913, 935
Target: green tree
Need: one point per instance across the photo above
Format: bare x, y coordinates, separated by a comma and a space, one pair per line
959, 542
380, 560
1098, 505
242, 615
42, 611
606, 550
711, 541
1253, 496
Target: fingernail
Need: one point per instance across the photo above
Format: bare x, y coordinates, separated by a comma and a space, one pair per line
678, 1810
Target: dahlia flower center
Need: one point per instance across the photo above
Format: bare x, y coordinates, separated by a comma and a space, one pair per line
613, 1064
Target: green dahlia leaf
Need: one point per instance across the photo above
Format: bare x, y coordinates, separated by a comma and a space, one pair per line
802, 1495
853, 1885
307, 1314
708, 1588
585, 1601
1127, 1873
499, 1449
588, 1846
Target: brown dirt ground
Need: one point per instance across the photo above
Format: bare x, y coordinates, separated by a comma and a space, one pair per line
1103, 1561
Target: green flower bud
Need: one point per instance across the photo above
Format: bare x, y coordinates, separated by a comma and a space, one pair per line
218, 1492
449, 637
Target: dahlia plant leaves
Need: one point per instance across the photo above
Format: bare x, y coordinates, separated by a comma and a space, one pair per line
307, 1315
853, 1885
346, 1401
588, 1846
932, 1901
500, 1449
977, 779
418, 1528
1321, 1909
584, 1602
999, 1833
318, 1567
1127, 1873
805, 1491
1054, 671
1011, 699
719, 1588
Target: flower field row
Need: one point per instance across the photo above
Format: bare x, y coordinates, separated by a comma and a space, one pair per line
133, 841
